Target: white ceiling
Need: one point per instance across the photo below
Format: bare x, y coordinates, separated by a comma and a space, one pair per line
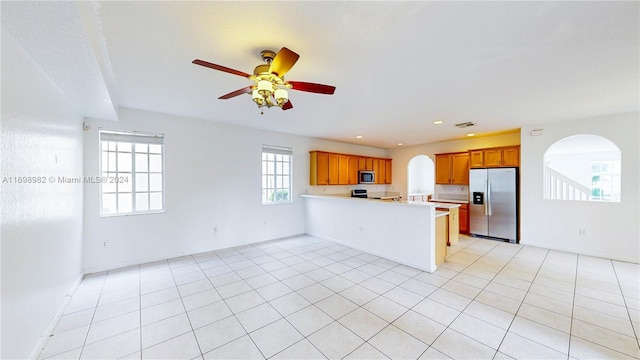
397, 66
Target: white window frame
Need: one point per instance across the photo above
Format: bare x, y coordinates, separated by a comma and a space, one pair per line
111, 176
268, 177
615, 171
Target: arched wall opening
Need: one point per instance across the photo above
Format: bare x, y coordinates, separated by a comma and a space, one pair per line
420, 178
583, 167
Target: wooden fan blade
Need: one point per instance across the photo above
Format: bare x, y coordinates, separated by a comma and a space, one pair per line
283, 62
288, 105
312, 87
246, 90
220, 68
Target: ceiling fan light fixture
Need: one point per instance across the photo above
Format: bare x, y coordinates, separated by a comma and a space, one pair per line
282, 96
265, 87
257, 98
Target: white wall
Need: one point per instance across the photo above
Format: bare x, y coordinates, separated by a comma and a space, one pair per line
41, 223
401, 232
612, 229
213, 178
402, 155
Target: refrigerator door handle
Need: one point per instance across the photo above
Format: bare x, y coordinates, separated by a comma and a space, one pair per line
488, 206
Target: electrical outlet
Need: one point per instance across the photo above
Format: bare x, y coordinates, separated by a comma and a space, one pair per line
104, 244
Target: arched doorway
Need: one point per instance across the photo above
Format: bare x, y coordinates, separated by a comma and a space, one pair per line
420, 178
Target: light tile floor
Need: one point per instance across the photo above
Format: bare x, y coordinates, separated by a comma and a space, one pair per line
306, 298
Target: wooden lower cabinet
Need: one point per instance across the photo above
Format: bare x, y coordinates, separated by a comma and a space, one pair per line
464, 219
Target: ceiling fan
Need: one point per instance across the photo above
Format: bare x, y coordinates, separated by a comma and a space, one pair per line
270, 88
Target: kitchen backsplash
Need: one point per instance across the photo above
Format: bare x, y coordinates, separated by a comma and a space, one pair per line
344, 189
451, 191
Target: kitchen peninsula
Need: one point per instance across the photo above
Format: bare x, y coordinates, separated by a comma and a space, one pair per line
402, 231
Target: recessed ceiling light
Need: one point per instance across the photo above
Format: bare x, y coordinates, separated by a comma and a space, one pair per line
358, 136
438, 122
400, 144
471, 134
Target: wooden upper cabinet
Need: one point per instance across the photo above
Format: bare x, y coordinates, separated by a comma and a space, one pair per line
476, 158
381, 174
334, 167
342, 169
362, 163
493, 157
353, 169
443, 169
460, 169
368, 164
508, 156
452, 169
387, 169
319, 168
511, 156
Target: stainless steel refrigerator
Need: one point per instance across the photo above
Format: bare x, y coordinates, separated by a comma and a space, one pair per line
493, 203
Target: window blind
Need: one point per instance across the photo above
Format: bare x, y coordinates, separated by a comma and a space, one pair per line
134, 138
277, 150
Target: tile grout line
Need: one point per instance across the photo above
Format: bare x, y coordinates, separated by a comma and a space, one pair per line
575, 286
95, 309
625, 303
183, 306
483, 288
140, 306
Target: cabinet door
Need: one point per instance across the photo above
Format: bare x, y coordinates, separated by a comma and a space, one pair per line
334, 163
511, 156
376, 170
343, 169
476, 159
464, 221
382, 171
323, 169
353, 170
362, 163
493, 157
460, 169
443, 169
387, 169
368, 164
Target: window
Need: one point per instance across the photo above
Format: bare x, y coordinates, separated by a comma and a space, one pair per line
132, 170
605, 180
276, 174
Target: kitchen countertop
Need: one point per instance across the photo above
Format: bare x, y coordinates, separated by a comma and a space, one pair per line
390, 202
454, 201
446, 205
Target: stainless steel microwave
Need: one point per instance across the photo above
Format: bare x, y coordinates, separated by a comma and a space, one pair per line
366, 177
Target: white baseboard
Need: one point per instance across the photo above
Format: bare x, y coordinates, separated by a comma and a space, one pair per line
52, 325
552, 246
97, 269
